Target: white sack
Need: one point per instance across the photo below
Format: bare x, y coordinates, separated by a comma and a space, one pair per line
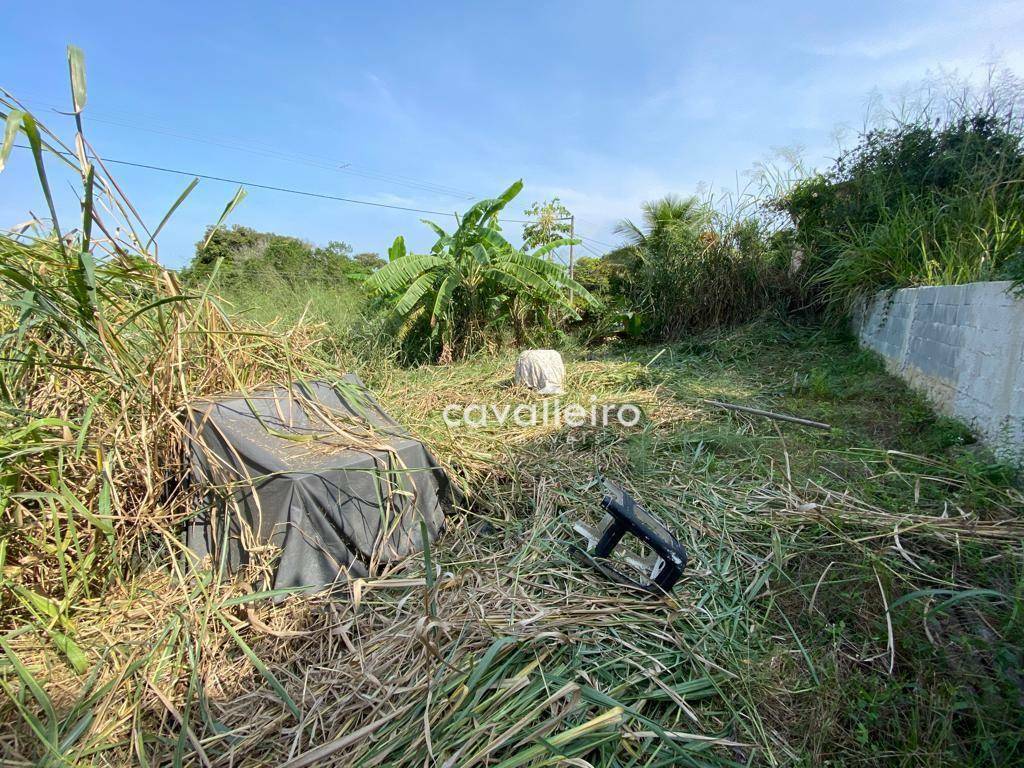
542, 370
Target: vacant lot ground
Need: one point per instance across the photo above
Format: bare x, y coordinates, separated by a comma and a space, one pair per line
853, 595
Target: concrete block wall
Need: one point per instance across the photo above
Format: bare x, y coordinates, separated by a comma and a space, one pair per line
963, 347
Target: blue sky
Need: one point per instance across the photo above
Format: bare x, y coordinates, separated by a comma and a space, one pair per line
604, 104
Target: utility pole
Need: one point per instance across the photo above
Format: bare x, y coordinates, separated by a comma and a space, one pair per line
572, 235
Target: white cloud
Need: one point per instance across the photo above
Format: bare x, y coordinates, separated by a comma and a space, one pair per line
960, 28
372, 98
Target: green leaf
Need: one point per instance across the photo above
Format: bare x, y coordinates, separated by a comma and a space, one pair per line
74, 733
410, 322
87, 203
397, 275
32, 131
485, 209
522, 280
74, 653
495, 241
184, 298
11, 126
555, 273
38, 604
491, 207
953, 597
544, 250
481, 667
101, 521
85, 277
414, 293
397, 249
232, 204
479, 252
36, 690
262, 668
181, 198
634, 323
76, 65
514, 189
440, 232
443, 298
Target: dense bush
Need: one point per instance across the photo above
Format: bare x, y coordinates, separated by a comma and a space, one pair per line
688, 267
607, 276
280, 280
920, 202
241, 254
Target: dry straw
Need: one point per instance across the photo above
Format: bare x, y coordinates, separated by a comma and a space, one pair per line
494, 648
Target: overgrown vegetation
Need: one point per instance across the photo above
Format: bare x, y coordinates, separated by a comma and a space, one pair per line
693, 268
100, 350
280, 280
472, 285
854, 594
933, 198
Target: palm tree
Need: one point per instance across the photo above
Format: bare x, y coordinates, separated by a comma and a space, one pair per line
472, 280
670, 214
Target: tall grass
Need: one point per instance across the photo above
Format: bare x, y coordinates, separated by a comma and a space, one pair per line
100, 352
721, 269
970, 237
336, 311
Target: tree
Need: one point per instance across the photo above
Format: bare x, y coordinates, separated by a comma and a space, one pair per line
226, 245
246, 255
668, 216
550, 222
369, 261
472, 281
334, 252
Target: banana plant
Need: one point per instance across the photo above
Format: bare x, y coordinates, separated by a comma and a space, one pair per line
472, 281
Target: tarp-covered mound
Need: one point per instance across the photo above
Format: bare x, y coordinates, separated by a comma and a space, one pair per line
317, 474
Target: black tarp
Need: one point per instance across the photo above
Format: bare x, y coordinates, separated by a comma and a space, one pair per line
309, 485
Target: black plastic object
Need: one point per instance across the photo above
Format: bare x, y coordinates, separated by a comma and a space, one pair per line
629, 517
289, 489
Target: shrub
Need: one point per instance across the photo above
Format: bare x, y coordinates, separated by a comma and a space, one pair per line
689, 267
283, 281
241, 253
923, 201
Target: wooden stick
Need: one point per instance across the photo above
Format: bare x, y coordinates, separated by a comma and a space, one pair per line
768, 414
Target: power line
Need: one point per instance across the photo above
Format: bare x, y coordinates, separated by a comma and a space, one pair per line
606, 246
299, 157
594, 240
266, 150
313, 161
286, 190
255, 185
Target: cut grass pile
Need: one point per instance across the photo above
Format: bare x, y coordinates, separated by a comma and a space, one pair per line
846, 600
853, 596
